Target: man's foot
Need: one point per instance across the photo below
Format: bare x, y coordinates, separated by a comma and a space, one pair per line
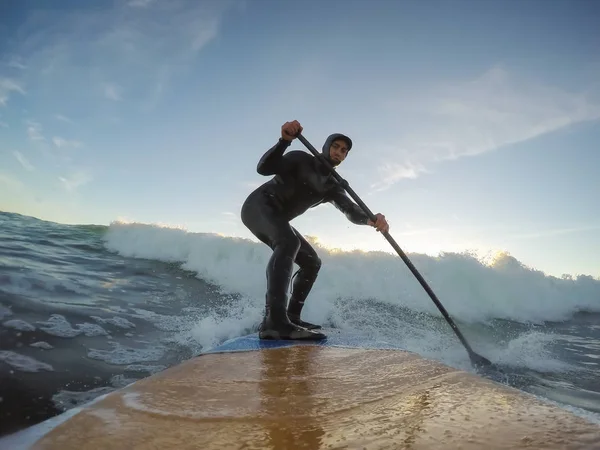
301, 323
289, 332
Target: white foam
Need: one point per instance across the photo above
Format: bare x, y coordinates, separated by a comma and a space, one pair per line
123, 355
212, 329
121, 381
23, 283
66, 400
4, 312
116, 321
145, 368
162, 322
23, 363
91, 329
368, 291
531, 350
58, 325
471, 289
19, 324
42, 345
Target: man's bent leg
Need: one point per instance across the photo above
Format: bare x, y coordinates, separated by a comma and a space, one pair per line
310, 264
276, 324
279, 273
279, 235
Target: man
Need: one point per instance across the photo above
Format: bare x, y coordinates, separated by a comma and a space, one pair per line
301, 182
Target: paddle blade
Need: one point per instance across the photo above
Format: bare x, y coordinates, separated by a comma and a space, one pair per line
479, 361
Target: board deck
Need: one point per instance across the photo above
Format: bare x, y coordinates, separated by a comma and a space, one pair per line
252, 394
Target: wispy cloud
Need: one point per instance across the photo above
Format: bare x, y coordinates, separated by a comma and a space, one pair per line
250, 184
62, 118
34, 131
136, 49
470, 118
75, 180
112, 92
64, 143
392, 171
16, 63
229, 218
3, 124
556, 232
8, 86
23, 160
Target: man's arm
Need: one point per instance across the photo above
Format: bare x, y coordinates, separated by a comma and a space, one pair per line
351, 210
273, 162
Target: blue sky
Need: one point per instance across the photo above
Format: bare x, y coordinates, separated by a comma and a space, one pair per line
475, 123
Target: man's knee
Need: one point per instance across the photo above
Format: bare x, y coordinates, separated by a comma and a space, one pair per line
311, 266
288, 245
316, 262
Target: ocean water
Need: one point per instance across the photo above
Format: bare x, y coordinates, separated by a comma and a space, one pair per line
87, 309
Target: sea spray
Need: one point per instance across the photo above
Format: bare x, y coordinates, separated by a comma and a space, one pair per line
469, 289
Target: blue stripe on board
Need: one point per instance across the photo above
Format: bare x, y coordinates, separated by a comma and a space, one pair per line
335, 338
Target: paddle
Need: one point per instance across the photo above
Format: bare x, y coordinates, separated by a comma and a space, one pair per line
476, 360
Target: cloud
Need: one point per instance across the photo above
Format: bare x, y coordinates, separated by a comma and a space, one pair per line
24, 162
228, 218
135, 47
16, 63
3, 124
556, 232
62, 118
64, 143
250, 184
75, 180
391, 172
497, 109
7, 86
112, 92
34, 131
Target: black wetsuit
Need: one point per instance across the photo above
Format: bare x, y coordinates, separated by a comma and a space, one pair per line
301, 182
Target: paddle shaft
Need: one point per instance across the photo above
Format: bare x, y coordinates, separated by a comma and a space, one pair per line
392, 242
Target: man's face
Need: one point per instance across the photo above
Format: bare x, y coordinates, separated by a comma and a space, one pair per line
338, 151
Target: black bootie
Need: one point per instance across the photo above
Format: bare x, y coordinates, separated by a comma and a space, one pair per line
294, 311
277, 325
303, 282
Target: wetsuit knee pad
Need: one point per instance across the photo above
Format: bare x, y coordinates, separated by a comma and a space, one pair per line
307, 275
281, 263
286, 246
317, 264
312, 270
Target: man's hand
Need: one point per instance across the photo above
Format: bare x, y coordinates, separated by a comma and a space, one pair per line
290, 130
380, 224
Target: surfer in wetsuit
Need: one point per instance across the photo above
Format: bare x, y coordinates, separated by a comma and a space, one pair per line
301, 182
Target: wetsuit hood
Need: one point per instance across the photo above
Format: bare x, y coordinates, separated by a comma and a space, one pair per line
332, 138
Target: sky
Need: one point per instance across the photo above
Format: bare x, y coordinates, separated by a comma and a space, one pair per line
475, 123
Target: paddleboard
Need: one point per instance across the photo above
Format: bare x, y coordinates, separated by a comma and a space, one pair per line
348, 391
